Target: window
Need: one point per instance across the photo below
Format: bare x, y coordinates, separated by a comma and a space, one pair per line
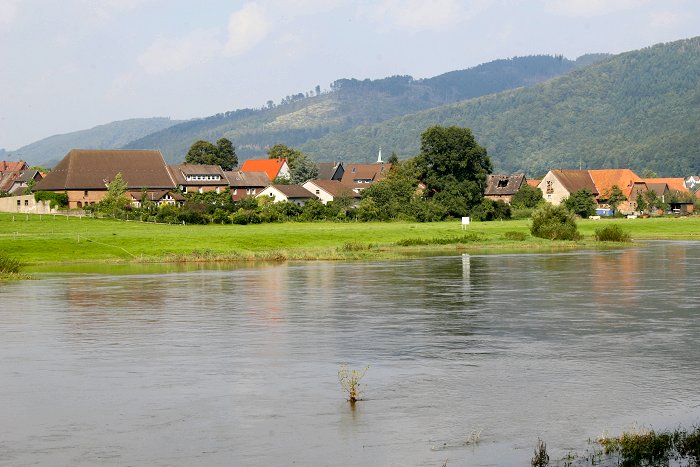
354, 169
503, 183
85, 193
19, 203
318, 192
550, 187
26, 202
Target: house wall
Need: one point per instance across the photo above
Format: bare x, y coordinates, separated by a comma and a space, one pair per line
552, 190
78, 199
504, 198
323, 195
25, 204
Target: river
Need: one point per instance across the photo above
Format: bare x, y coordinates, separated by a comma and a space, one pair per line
471, 359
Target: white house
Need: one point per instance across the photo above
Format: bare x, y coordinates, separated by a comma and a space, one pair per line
328, 190
296, 194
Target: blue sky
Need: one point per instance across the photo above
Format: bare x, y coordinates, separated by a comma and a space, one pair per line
72, 64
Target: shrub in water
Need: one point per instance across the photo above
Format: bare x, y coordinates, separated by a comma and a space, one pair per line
612, 233
350, 382
554, 223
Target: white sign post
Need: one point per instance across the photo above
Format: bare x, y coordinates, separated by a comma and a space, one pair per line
465, 223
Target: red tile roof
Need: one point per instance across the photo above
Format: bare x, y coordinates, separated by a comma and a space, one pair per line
604, 180
271, 167
534, 183
373, 172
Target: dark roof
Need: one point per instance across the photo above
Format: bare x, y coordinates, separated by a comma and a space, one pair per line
240, 179
659, 188
503, 185
157, 195
328, 170
92, 169
294, 191
335, 188
575, 180
179, 172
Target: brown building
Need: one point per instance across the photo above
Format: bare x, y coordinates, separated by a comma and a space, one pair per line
83, 174
244, 184
503, 187
198, 178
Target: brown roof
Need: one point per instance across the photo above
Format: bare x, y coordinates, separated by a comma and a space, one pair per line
373, 172
92, 169
240, 179
179, 173
659, 188
157, 195
503, 185
335, 188
534, 183
575, 180
294, 191
328, 170
677, 184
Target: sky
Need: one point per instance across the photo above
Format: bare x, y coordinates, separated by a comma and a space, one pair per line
70, 65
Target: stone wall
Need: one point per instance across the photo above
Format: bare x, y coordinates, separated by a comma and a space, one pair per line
25, 204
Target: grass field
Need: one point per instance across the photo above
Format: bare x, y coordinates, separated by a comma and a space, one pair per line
37, 240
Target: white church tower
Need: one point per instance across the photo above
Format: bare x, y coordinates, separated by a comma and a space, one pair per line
379, 156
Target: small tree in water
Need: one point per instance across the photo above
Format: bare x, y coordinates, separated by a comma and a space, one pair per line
350, 382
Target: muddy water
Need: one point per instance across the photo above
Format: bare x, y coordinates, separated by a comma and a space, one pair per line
239, 366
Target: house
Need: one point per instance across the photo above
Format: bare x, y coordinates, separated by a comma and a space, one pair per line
9, 172
83, 174
24, 180
558, 184
674, 184
273, 168
693, 183
244, 184
330, 170
360, 176
503, 187
199, 178
296, 194
159, 197
328, 190
627, 181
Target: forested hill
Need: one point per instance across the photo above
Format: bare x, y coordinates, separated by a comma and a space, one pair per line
49, 151
638, 109
303, 117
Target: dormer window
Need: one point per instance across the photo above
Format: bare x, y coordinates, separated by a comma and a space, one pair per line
503, 183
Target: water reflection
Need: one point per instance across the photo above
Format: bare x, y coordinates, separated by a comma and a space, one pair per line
238, 365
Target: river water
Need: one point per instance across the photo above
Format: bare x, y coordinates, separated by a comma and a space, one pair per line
239, 366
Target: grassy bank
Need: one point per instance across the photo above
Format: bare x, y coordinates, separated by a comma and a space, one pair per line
37, 240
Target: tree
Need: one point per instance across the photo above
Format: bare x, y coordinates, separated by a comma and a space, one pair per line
554, 223
393, 159
641, 202
228, 159
301, 168
115, 201
582, 203
528, 196
615, 197
454, 168
205, 153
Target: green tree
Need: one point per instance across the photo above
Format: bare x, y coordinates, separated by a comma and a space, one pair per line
393, 159
228, 159
582, 203
205, 153
394, 194
641, 202
115, 201
454, 168
301, 168
554, 223
615, 197
528, 196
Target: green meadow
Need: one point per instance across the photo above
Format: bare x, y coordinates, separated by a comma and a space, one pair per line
52, 240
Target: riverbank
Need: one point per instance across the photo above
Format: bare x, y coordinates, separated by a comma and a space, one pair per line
45, 240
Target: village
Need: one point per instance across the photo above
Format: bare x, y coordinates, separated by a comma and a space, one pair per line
84, 175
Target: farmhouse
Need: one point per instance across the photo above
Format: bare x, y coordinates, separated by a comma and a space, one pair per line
273, 168
296, 194
503, 187
9, 172
328, 190
83, 174
199, 178
244, 184
559, 184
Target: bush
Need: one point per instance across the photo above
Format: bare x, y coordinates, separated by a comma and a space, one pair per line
554, 223
612, 233
55, 199
9, 265
489, 210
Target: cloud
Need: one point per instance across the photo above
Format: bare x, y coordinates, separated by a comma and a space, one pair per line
105, 9
246, 28
8, 11
163, 55
419, 15
590, 8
